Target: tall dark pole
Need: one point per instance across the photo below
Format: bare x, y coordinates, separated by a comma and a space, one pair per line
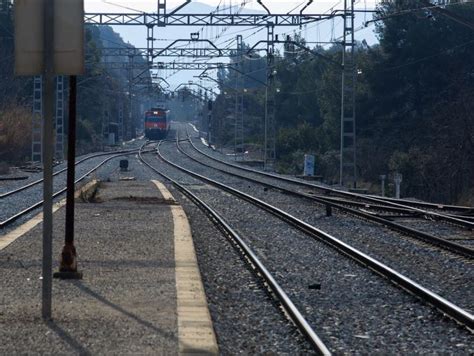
47, 147
68, 265
71, 158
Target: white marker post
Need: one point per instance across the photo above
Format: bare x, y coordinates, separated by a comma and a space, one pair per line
48, 42
397, 178
382, 177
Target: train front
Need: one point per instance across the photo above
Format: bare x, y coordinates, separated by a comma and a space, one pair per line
156, 124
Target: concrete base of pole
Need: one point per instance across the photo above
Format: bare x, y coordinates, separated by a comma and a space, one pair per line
68, 265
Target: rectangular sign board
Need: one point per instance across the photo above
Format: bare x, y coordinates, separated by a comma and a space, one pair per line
68, 37
308, 165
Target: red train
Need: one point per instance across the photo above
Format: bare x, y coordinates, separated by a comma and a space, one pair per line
156, 123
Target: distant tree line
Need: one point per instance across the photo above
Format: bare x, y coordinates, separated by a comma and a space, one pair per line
102, 93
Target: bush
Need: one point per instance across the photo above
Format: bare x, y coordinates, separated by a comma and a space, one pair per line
15, 133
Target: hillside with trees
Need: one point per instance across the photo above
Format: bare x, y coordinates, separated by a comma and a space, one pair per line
102, 93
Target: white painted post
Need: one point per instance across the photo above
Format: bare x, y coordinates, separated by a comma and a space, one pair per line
382, 177
398, 180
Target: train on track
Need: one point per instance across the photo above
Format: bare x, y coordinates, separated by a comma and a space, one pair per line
157, 123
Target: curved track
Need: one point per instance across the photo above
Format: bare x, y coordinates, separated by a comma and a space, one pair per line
400, 204
29, 185
460, 315
342, 206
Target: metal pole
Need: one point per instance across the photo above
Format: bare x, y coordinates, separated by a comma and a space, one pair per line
382, 177
130, 125
48, 105
71, 158
68, 264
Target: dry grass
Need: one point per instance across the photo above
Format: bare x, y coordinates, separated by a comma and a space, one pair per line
15, 133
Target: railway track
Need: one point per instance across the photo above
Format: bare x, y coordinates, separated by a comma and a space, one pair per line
261, 271
460, 315
11, 219
346, 205
38, 181
459, 220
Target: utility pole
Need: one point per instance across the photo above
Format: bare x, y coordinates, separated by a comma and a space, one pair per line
128, 130
210, 138
347, 161
150, 43
239, 104
120, 122
37, 120
59, 119
269, 143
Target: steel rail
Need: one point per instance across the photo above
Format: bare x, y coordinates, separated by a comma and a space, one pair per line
454, 247
11, 219
29, 185
456, 313
246, 251
447, 218
458, 208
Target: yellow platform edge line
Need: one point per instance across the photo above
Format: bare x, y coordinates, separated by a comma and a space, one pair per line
11, 236
195, 329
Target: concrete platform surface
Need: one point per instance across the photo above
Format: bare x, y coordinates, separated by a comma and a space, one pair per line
139, 294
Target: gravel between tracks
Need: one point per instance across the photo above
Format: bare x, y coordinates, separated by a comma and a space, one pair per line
245, 317
355, 311
445, 273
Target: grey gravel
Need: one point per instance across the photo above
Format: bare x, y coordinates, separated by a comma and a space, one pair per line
443, 272
355, 311
245, 318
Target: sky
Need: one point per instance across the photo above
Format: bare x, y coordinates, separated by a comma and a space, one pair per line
279, 6
325, 31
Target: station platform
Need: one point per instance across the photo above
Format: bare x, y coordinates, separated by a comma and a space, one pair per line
141, 291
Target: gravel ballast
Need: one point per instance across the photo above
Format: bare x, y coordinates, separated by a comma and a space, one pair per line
445, 273
357, 311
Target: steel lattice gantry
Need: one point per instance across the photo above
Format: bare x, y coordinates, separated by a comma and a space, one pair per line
348, 167
173, 19
166, 65
239, 104
270, 137
170, 52
37, 120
